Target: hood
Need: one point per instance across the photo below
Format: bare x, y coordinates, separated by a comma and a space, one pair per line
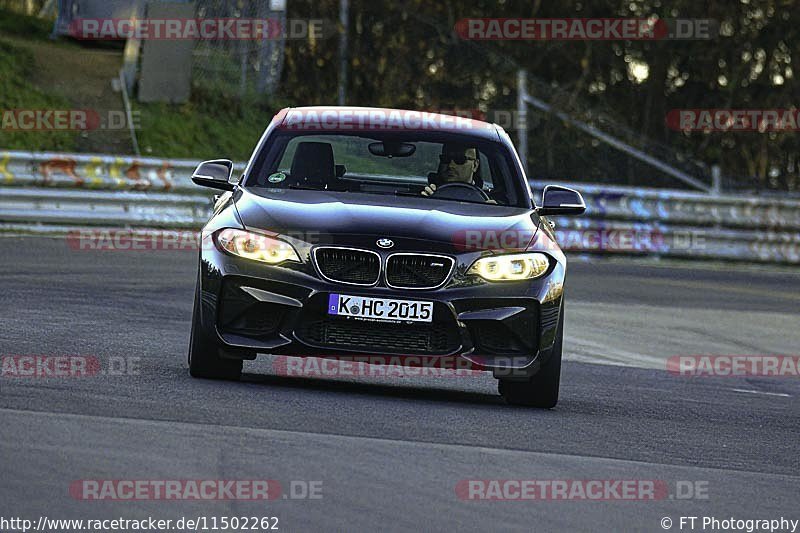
379, 215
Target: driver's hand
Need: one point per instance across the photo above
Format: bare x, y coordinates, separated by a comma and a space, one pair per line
429, 190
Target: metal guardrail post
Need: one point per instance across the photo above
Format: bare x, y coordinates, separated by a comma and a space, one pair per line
716, 180
344, 23
128, 112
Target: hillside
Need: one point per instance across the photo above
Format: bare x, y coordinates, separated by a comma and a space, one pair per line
38, 73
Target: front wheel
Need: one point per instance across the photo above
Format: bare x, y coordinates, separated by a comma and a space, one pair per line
204, 351
541, 390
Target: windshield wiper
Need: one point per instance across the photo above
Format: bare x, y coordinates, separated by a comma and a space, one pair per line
388, 193
301, 188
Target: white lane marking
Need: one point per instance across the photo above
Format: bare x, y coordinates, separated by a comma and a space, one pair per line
782, 395
585, 350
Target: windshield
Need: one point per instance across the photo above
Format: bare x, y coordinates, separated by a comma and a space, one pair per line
476, 170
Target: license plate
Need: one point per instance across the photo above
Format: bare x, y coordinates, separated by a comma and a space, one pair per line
380, 308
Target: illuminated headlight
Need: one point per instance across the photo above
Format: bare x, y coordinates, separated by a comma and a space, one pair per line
510, 267
256, 247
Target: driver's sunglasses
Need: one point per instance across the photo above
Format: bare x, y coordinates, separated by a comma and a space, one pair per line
459, 159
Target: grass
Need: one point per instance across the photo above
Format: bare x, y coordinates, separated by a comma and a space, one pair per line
37, 73
24, 26
17, 92
211, 125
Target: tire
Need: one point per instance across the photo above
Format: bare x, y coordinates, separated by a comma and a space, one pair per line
541, 390
204, 351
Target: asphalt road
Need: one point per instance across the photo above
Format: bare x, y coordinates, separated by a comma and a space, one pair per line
389, 452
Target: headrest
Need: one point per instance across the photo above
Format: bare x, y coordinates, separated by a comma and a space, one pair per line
313, 165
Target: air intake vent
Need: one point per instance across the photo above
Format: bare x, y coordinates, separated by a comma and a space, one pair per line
548, 317
418, 271
379, 337
345, 265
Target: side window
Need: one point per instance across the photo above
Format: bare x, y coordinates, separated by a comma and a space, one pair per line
484, 171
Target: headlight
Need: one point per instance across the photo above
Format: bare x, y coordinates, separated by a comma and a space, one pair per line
510, 267
256, 247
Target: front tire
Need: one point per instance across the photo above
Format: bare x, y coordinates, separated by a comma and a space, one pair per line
204, 351
541, 390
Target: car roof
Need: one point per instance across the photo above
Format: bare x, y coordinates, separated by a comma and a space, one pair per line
323, 119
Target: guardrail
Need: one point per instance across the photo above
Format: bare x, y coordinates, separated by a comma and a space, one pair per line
55, 192
47, 169
682, 224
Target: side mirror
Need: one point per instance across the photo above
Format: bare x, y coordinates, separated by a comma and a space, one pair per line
215, 174
557, 200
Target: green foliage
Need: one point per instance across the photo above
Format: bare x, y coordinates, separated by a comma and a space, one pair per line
16, 92
200, 130
12, 23
407, 54
214, 123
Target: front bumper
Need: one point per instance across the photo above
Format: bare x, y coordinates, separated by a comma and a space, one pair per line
254, 308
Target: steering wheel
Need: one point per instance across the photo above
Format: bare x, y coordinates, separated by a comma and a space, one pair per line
461, 191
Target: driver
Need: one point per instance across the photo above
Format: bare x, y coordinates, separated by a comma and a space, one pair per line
457, 164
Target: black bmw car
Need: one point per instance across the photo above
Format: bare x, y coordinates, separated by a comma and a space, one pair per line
362, 231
